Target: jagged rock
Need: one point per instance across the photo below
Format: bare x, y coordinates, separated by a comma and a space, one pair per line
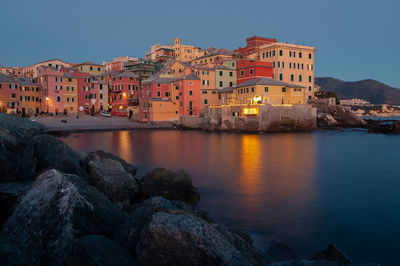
53, 153
184, 239
332, 253
336, 115
239, 124
279, 251
112, 176
243, 235
56, 210
17, 160
9, 194
31, 127
128, 234
99, 250
11, 253
170, 185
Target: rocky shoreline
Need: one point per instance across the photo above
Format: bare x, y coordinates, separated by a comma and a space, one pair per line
59, 207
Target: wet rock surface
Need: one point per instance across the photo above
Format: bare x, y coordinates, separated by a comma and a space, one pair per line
112, 176
56, 210
9, 194
337, 116
99, 250
170, 185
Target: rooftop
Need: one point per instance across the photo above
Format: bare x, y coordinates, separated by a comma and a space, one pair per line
268, 82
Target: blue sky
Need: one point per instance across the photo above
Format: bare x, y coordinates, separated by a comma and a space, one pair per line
355, 39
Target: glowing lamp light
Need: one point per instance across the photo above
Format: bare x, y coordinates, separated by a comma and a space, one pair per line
257, 99
250, 111
124, 94
47, 98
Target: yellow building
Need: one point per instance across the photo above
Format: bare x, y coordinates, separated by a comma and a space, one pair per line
291, 64
207, 77
211, 57
30, 99
90, 67
184, 52
163, 110
70, 85
265, 91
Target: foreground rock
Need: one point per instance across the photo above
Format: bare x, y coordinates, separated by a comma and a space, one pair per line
17, 153
58, 209
170, 185
11, 253
332, 253
337, 116
279, 251
383, 126
9, 194
112, 176
53, 153
98, 250
185, 239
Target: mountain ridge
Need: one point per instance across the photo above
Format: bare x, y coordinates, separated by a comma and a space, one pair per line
370, 90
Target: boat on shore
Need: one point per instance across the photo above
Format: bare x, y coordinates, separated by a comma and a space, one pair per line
105, 114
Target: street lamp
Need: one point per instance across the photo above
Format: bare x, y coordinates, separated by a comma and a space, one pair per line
47, 103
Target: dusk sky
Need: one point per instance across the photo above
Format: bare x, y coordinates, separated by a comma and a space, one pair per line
355, 39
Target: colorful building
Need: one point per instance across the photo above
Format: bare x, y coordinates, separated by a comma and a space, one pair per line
250, 69
51, 80
211, 57
268, 91
90, 68
185, 52
118, 63
160, 53
253, 45
32, 71
70, 87
9, 94
189, 98
123, 86
291, 63
30, 100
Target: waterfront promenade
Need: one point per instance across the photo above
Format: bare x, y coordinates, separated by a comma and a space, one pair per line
93, 123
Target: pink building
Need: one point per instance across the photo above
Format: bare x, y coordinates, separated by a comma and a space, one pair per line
189, 95
51, 80
9, 94
84, 90
124, 85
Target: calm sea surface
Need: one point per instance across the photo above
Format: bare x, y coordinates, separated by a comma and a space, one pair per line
305, 189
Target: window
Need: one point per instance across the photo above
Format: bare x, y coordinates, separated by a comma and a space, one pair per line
158, 85
280, 76
300, 78
166, 94
309, 88
190, 92
252, 89
204, 92
291, 77
91, 68
247, 90
101, 96
279, 64
204, 83
98, 69
309, 97
309, 56
231, 74
309, 78
242, 72
230, 84
58, 98
205, 101
283, 89
300, 54
265, 89
280, 52
220, 73
158, 94
208, 82
220, 84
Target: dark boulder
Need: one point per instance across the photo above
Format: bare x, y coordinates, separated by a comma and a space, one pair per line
279, 251
31, 127
128, 234
17, 160
53, 153
56, 210
185, 239
9, 194
170, 185
11, 253
112, 176
100, 251
332, 253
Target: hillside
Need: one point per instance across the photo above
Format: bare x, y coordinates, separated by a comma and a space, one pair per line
369, 90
